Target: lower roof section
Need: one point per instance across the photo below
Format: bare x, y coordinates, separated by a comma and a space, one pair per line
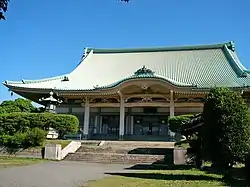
197, 67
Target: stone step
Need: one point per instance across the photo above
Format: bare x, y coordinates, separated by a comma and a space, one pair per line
90, 142
115, 158
101, 150
136, 144
126, 150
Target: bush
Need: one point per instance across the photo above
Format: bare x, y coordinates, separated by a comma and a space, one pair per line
18, 105
18, 140
19, 122
35, 137
225, 133
4, 139
175, 122
31, 138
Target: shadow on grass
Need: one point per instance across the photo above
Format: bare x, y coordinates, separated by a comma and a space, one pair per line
159, 176
156, 166
235, 179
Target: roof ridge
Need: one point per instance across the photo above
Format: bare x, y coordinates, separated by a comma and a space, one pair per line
25, 81
229, 44
238, 67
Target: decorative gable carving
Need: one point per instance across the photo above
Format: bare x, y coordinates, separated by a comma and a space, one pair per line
144, 71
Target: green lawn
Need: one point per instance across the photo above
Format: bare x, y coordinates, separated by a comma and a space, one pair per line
64, 143
160, 178
16, 161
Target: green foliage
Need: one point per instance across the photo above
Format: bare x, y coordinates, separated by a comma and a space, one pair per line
19, 122
18, 140
3, 8
30, 138
226, 132
175, 122
35, 137
4, 139
18, 105
13, 141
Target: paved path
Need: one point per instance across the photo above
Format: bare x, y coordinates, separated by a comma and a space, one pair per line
61, 174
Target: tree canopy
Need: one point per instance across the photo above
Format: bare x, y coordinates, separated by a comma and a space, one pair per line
18, 105
225, 132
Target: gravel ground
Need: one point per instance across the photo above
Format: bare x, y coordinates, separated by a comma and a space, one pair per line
53, 174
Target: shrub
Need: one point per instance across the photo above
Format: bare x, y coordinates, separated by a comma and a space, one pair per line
4, 139
12, 123
18, 105
225, 133
175, 122
31, 138
18, 140
35, 137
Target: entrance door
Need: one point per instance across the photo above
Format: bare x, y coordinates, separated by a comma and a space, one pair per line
110, 125
147, 125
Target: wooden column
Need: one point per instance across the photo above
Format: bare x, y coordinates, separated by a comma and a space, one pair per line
171, 103
122, 118
86, 119
132, 125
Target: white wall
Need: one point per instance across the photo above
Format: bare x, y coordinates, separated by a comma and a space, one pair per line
187, 110
62, 110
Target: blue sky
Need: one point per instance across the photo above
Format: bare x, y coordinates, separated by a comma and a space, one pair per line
44, 38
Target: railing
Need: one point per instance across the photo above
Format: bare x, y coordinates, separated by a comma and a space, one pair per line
72, 147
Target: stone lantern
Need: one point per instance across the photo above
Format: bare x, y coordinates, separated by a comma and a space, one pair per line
50, 103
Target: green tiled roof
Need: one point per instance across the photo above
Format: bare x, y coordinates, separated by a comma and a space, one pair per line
230, 45
199, 67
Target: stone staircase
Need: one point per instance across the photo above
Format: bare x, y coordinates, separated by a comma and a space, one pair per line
129, 152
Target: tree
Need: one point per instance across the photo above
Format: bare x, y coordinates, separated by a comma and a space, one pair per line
176, 122
3, 8
190, 126
18, 105
225, 132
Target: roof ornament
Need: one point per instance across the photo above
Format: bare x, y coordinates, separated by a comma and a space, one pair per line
144, 71
96, 86
231, 45
244, 74
65, 78
194, 85
11, 93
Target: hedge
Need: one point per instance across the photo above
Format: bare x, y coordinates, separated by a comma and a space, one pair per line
30, 138
175, 122
19, 122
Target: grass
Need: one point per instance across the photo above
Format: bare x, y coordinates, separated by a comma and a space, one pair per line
182, 144
36, 149
17, 161
162, 178
63, 143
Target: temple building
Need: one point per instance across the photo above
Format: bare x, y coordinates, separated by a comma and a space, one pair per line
131, 93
